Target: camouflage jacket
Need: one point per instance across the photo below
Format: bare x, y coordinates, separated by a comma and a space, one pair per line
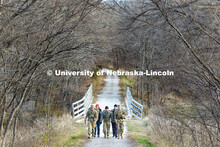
91, 115
106, 116
118, 115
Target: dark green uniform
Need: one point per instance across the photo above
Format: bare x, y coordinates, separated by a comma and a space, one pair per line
92, 117
106, 117
120, 122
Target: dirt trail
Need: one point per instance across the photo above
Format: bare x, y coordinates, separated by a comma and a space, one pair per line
109, 96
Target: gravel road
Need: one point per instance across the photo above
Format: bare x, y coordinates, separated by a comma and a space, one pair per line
109, 96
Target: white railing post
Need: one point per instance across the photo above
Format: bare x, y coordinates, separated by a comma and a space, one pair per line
134, 108
128, 101
80, 107
73, 110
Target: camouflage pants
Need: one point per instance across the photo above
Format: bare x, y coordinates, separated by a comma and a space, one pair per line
120, 127
106, 128
91, 127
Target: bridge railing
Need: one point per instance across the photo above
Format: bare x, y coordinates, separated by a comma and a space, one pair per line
134, 108
79, 108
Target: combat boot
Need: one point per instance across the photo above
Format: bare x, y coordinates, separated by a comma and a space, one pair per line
93, 136
118, 136
89, 136
104, 135
107, 137
121, 136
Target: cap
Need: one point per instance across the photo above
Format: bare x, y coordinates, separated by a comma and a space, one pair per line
97, 105
106, 107
115, 105
119, 105
92, 106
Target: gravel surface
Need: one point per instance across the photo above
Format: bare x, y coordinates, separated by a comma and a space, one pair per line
109, 96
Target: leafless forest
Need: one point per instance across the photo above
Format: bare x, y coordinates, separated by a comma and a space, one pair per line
179, 35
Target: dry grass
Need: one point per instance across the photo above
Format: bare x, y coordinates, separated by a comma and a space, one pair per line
144, 135
137, 130
55, 131
180, 131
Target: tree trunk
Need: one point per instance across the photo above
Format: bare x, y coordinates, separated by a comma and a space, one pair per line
17, 108
137, 87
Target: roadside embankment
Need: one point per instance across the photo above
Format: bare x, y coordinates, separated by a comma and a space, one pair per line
138, 131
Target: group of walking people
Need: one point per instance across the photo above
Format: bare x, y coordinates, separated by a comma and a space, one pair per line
96, 116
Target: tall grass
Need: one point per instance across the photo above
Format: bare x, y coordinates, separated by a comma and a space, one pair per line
53, 131
178, 131
137, 130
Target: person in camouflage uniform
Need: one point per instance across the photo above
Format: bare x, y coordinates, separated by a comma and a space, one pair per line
120, 116
113, 120
106, 117
92, 118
